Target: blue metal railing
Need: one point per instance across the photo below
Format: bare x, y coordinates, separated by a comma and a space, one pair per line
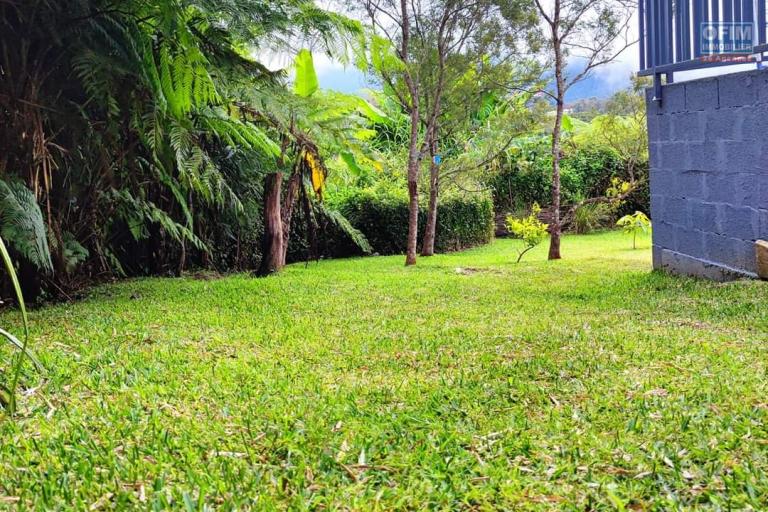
671, 33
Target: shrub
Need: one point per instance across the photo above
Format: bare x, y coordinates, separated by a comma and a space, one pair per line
525, 176
591, 216
382, 217
528, 229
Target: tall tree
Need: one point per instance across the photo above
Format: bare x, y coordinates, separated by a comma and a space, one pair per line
592, 33
484, 44
392, 22
437, 44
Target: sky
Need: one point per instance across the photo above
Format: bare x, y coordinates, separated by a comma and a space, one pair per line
602, 83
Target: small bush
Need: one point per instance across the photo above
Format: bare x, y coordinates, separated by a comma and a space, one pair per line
529, 229
590, 217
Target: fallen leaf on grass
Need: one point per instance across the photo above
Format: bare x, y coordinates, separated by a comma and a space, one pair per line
101, 502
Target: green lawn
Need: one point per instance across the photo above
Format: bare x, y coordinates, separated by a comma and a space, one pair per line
467, 382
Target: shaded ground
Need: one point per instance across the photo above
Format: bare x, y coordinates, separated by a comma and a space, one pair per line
465, 382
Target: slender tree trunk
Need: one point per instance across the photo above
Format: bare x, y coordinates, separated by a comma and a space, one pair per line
287, 211
554, 227
272, 243
414, 162
428, 243
414, 157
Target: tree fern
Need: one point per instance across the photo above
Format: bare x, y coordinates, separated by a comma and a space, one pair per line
22, 224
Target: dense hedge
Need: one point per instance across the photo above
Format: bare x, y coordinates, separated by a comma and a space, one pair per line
526, 175
382, 216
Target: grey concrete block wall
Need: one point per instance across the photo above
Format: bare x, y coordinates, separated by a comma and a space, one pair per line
708, 143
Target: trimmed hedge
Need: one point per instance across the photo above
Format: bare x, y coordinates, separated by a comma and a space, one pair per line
382, 217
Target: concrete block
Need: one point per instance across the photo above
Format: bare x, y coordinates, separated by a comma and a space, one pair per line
762, 224
654, 155
675, 211
689, 126
674, 156
672, 99
719, 188
652, 124
746, 190
701, 156
703, 216
663, 181
702, 94
652, 107
676, 263
689, 241
724, 124
692, 184
740, 222
737, 90
738, 156
761, 82
656, 256
663, 234
730, 252
657, 205
755, 123
709, 175
760, 184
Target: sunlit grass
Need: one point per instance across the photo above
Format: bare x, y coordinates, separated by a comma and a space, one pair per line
468, 381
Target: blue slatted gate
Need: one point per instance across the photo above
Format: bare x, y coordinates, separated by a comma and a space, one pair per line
675, 34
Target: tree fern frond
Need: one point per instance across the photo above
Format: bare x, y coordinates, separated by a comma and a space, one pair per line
340, 221
22, 224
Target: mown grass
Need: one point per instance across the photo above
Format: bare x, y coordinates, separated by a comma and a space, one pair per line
467, 382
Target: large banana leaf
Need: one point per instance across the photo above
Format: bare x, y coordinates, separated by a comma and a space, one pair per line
306, 83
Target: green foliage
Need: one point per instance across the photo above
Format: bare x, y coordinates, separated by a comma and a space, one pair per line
530, 230
382, 217
305, 83
524, 175
346, 227
22, 224
635, 224
142, 127
591, 216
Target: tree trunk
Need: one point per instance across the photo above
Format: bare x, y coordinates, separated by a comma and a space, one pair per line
413, 213
428, 243
554, 227
413, 178
414, 156
272, 243
287, 212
